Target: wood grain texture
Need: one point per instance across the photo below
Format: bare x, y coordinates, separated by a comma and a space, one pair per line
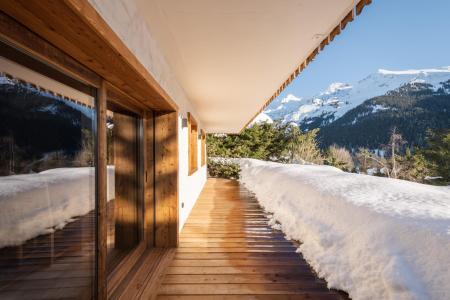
101, 170
166, 179
126, 181
228, 251
149, 177
15, 33
76, 28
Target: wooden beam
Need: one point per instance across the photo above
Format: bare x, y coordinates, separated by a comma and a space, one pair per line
17, 34
336, 31
360, 6
102, 220
76, 28
166, 179
323, 43
347, 19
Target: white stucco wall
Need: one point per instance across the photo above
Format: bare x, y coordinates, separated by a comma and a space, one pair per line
124, 18
189, 186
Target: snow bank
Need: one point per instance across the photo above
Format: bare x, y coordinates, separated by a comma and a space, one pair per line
35, 204
376, 238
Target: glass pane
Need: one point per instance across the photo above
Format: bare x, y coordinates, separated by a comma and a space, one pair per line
47, 187
124, 209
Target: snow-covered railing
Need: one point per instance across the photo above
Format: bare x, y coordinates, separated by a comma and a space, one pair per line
35, 204
374, 237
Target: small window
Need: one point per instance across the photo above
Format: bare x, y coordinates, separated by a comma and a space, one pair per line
193, 148
203, 145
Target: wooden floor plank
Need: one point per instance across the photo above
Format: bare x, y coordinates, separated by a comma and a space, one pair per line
302, 296
228, 251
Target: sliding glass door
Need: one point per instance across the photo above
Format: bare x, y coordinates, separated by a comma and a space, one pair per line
47, 185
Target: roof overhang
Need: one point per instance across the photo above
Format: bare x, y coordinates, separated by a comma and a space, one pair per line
233, 57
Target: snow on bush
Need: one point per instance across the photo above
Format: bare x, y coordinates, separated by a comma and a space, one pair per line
376, 238
34, 204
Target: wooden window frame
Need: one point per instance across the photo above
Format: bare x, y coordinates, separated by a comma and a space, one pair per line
192, 144
203, 148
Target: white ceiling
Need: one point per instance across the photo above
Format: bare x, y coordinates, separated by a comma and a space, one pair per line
230, 56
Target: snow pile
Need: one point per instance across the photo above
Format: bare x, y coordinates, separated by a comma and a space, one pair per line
35, 204
376, 238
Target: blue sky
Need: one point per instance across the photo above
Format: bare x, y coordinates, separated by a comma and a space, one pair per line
389, 34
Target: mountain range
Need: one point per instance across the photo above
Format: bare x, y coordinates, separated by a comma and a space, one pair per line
362, 114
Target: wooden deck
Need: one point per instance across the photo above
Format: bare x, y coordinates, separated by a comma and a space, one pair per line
228, 251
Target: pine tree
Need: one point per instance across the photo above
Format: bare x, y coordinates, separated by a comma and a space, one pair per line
437, 153
414, 166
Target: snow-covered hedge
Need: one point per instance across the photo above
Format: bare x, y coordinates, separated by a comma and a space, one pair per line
221, 167
374, 237
35, 204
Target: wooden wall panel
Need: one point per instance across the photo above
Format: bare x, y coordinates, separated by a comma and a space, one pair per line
149, 177
126, 181
166, 179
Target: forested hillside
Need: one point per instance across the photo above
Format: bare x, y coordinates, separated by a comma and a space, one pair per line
413, 109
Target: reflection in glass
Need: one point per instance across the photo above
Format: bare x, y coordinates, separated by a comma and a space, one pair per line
47, 188
123, 210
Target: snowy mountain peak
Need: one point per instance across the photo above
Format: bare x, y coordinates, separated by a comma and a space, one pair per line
336, 86
415, 72
338, 98
290, 98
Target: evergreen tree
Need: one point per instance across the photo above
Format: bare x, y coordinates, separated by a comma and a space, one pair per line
413, 167
437, 153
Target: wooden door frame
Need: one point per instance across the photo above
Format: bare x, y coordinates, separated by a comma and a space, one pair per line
28, 25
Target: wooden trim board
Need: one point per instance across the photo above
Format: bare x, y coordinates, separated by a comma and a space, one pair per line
192, 144
203, 148
68, 24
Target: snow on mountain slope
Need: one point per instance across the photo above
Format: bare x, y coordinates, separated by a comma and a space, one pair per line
261, 118
339, 98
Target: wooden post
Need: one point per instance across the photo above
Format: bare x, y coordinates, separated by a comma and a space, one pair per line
126, 181
149, 177
166, 179
101, 192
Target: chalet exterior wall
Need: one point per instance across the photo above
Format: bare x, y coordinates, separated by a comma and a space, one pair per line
124, 18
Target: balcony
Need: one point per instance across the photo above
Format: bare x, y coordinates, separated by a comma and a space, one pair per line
227, 250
